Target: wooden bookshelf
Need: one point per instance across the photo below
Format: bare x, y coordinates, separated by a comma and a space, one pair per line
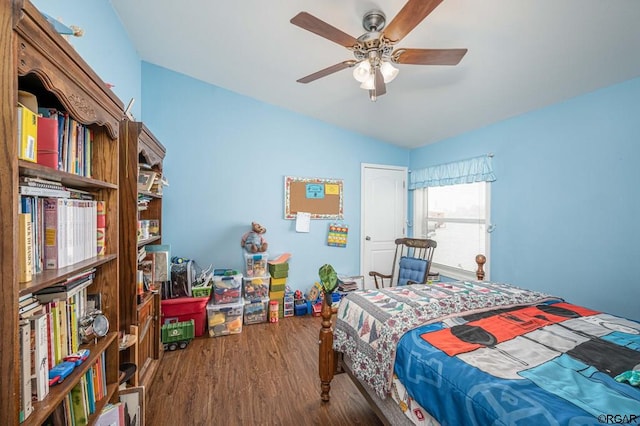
40, 61
139, 146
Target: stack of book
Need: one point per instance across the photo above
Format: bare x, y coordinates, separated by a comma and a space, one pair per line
67, 288
42, 187
143, 202
346, 283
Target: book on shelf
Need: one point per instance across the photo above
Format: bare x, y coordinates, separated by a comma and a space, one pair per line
78, 404
63, 328
27, 134
40, 368
161, 255
101, 224
48, 141
89, 385
55, 326
32, 307
70, 231
25, 247
71, 283
111, 415
44, 192
40, 182
55, 235
48, 296
94, 301
34, 206
26, 407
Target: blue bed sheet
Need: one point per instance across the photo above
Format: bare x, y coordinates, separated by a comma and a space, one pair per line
549, 373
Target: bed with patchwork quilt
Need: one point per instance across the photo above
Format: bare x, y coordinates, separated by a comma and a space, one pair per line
478, 353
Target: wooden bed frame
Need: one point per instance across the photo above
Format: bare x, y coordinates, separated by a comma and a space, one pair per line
332, 362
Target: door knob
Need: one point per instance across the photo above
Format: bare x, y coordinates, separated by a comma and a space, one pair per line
367, 238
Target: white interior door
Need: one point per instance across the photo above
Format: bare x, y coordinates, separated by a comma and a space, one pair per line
384, 216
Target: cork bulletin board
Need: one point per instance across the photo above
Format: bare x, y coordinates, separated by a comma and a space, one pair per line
320, 197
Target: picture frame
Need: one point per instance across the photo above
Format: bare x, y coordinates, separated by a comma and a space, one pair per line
133, 399
146, 179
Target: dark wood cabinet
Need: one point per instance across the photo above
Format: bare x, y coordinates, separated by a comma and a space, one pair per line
38, 60
140, 309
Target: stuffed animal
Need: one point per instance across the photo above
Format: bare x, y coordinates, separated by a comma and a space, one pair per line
253, 241
631, 376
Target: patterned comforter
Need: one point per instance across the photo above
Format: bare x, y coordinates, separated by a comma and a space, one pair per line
371, 322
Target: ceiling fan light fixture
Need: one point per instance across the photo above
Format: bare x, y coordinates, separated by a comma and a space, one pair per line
389, 72
362, 71
369, 83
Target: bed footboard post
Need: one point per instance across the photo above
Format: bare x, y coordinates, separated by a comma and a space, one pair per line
326, 358
480, 260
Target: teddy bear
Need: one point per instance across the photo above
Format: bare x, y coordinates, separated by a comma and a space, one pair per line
253, 241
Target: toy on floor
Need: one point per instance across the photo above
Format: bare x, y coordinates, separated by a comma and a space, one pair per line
253, 241
177, 335
631, 376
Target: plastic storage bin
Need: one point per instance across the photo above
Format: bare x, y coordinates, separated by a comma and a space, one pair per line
255, 288
257, 311
185, 309
202, 291
224, 319
227, 288
288, 306
256, 264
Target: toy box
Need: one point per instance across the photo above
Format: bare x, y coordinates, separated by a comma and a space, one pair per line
300, 308
227, 288
288, 306
224, 319
256, 264
255, 288
184, 309
256, 311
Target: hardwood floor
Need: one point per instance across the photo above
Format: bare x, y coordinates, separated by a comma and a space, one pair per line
266, 375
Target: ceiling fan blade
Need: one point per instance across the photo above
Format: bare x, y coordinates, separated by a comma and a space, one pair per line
329, 70
310, 23
413, 12
428, 56
380, 86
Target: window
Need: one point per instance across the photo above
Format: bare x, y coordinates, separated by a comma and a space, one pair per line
457, 218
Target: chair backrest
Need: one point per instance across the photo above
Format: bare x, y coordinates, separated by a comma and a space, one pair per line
411, 263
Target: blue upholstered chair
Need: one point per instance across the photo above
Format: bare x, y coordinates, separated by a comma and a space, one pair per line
411, 263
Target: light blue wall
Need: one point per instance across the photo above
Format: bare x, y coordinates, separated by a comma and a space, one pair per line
227, 156
566, 204
105, 45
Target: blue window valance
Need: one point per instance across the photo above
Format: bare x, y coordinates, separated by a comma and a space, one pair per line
477, 169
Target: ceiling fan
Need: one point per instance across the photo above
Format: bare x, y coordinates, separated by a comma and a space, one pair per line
374, 51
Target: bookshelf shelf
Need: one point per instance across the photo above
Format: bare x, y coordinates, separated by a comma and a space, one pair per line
43, 63
150, 194
58, 392
67, 179
53, 276
149, 240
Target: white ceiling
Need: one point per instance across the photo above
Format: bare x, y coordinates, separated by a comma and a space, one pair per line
523, 55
